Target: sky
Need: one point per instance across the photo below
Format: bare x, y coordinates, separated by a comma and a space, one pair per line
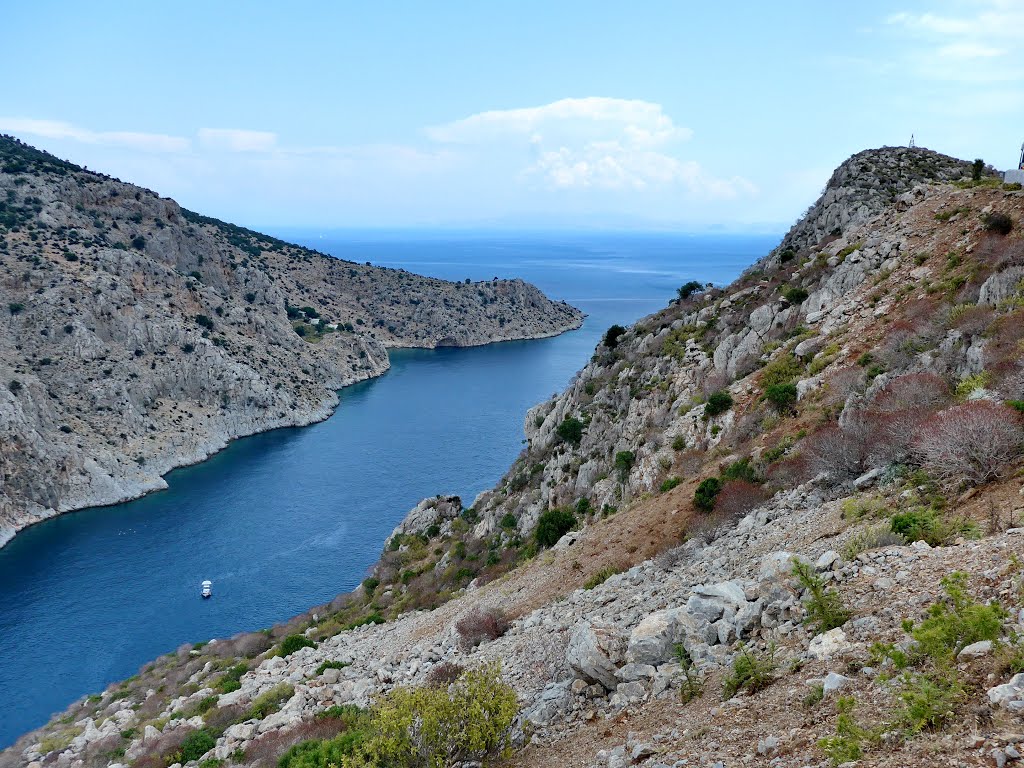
572, 114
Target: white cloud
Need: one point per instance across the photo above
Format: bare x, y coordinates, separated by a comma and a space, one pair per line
55, 129
237, 140
976, 45
640, 122
593, 143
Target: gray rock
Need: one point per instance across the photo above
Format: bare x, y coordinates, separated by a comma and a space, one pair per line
834, 682
976, 650
653, 640
595, 652
1007, 693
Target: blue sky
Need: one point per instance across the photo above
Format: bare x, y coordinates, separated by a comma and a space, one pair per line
646, 115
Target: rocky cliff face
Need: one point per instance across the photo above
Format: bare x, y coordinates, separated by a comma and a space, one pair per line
136, 336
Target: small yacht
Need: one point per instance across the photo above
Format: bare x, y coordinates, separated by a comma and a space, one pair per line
207, 589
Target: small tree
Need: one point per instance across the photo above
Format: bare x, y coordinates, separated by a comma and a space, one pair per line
552, 526
689, 289
570, 430
737, 497
707, 493
977, 168
624, 461
611, 336
781, 396
717, 404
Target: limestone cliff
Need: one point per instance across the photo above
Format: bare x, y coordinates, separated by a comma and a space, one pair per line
137, 336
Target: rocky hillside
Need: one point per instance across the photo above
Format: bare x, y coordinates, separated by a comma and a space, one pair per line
137, 336
776, 524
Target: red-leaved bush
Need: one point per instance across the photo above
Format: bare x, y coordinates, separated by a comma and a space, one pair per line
738, 497
481, 624
970, 444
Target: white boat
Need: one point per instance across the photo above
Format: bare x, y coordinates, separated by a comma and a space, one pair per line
207, 589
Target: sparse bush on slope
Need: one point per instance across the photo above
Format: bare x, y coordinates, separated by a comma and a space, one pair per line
970, 444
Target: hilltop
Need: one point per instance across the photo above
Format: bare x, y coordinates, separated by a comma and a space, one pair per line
775, 523
137, 336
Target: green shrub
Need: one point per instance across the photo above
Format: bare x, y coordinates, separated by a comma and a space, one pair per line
268, 702
15, 386
231, 680
692, 686
872, 538
328, 753
927, 701
782, 370
741, 470
717, 404
611, 336
931, 526
669, 484
679, 441
749, 672
508, 521
781, 396
370, 583
552, 525
570, 430
998, 223
601, 577
329, 665
846, 745
205, 322
15, 307
292, 643
470, 720
138, 242
197, 744
707, 493
957, 622
824, 606
794, 294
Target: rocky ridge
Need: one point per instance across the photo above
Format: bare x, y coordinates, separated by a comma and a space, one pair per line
137, 336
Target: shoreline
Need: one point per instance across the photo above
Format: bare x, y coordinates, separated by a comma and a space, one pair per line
323, 411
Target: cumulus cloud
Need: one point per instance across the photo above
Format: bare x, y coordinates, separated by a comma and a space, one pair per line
641, 122
594, 143
237, 140
55, 129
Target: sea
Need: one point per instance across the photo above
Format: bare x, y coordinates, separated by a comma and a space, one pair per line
289, 519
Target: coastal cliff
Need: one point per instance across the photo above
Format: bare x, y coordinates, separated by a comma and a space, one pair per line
137, 336
775, 523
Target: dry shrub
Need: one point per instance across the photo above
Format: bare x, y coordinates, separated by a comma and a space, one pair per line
219, 718
838, 452
265, 751
443, 674
789, 472
157, 755
715, 381
1008, 379
480, 625
247, 645
738, 497
900, 346
970, 444
973, 321
1005, 337
845, 382
912, 391
99, 754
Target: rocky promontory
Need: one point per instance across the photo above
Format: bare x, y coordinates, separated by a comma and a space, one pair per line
137, 336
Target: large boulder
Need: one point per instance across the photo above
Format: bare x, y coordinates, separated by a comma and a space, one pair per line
653, 640
595, 651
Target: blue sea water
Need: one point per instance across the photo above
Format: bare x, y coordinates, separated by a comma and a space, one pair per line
289, 519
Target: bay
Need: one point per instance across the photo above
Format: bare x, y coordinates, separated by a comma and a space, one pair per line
288, 519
